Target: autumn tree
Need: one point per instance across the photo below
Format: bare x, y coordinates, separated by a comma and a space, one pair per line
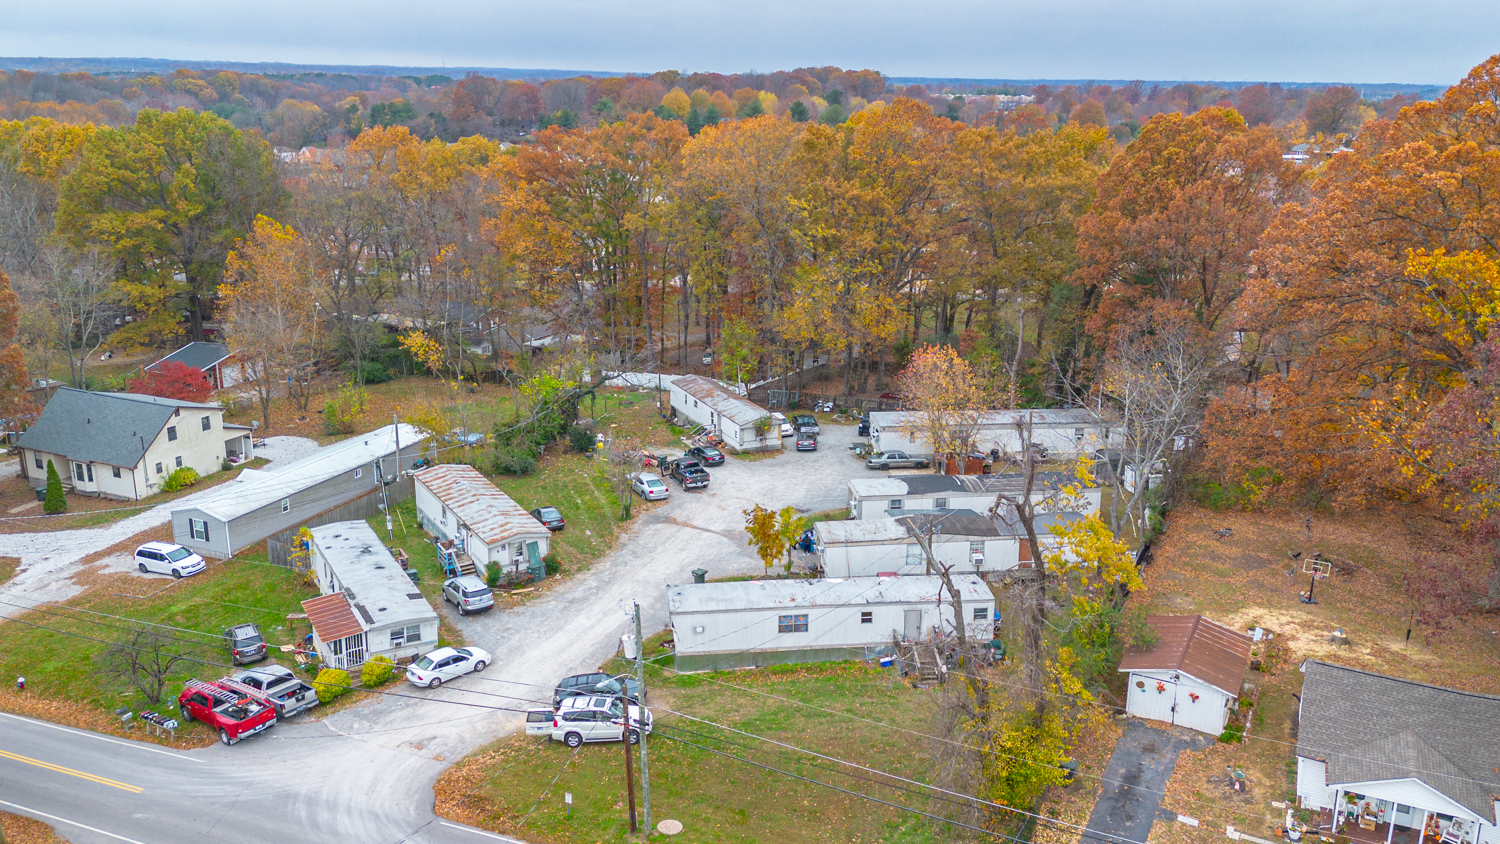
76, 290
172, 380
765, 535
13, 381
269, 314
1333, 111
941, 390
167, 196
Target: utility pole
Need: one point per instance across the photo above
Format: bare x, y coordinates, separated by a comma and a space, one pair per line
640, 677
625, 743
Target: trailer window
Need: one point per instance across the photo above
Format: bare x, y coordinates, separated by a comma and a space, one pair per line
792, 623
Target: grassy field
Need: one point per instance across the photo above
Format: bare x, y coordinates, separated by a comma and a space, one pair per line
1249, 579
517, 784
56, 647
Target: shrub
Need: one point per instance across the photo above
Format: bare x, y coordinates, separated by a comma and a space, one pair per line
55, 502
180, 479
341, 413
331, 684
581, 438
1233, 734
372, 372
377, 671
173, 380
553, 563
225, 465
511, 462
492, 575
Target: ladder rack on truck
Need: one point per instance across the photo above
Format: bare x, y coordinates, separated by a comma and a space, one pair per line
226, 691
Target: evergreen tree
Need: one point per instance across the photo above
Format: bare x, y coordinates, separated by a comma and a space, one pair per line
798, 111
56, 502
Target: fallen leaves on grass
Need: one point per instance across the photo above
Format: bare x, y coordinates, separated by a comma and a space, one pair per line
22, 830
32, 704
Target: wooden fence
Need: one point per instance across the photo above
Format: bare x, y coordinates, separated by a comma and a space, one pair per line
279, 546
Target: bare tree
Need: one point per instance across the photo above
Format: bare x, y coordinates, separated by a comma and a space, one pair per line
77, 287
144, 658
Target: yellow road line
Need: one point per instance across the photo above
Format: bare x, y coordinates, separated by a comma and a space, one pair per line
70, 772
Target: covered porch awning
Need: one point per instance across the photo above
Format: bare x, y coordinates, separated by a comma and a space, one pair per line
239, 442
1401, 811
338, 633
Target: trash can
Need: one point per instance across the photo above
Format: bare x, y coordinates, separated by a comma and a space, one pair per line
41, 493
699, 575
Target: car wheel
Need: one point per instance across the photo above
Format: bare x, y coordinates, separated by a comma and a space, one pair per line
435, 682
177, 574
187, 716
461, 610
885, 465
480, 666
142, 567
573, 740
634, 736
224, 737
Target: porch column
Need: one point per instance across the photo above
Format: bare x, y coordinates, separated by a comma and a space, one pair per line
1391, 824
1422, 832
1338, 808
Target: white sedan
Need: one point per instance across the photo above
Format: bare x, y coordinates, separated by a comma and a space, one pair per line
443, 664
649, 486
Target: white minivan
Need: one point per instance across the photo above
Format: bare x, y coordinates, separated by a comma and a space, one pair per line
166, 558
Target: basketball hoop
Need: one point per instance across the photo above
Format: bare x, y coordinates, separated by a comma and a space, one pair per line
1317, 567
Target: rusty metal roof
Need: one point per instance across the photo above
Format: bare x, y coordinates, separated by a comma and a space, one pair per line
734, 408
332, 617
1193, 645
490, 514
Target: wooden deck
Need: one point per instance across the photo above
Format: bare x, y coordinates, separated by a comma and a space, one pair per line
1357, 833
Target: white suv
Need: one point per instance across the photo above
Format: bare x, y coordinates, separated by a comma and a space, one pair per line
596, 718
166, 558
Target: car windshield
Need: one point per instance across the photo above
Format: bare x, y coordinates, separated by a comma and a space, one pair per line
550, 513
179, 553
423, 663
465, 653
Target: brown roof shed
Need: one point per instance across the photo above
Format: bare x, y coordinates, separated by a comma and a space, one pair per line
1193, 645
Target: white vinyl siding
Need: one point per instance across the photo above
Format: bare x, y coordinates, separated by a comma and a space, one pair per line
1312, 784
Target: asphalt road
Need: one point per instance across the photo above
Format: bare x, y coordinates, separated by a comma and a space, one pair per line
1134, 780
365, 775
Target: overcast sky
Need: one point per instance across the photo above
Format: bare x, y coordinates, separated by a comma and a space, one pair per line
1426, 41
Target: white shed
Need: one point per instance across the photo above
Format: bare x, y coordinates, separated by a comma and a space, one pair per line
970, 542
381, 612
761, 622
1191, 676
1065, 433
897, 495
455, 501
720, 410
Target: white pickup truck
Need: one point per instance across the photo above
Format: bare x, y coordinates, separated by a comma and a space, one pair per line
287, 694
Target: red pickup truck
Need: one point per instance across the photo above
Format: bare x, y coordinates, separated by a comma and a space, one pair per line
236, 711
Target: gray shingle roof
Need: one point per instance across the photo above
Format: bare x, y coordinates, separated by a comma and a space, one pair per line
199, 356
1369, 727
110, 428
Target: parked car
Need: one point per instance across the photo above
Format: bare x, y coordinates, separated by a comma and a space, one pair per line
539, 722
577, 684
435, 668
780, 419
806, 423
598, 718
707, 455
166, 558
624, 685
899, 459
649, 486
468, 593
550, 518
690, 473
807, 442
864, 425
287, 693
245, 643
233, 714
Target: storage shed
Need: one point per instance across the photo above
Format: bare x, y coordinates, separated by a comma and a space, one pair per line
971, 542
1064, 433
258, 504
732, 417
763, 622
369, 606
1191, 676
897, 495
456, 502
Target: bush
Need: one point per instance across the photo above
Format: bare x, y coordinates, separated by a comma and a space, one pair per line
581, 438
511, 462
55, 502
331, 684
225, 465
341, 414
553, 563
492, 575
372, 372
377, 671
1233, 734
180, 479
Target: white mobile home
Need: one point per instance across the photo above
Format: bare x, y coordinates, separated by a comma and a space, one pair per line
762, 622
1064, 433
369, 606
897, 495
733, 418
260, 503
964, 539
1389, 760
1191, 677
456, 502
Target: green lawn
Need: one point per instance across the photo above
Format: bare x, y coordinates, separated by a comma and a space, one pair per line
575, 485
715, 797
58, 657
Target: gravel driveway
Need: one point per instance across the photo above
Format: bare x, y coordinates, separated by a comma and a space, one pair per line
46, 558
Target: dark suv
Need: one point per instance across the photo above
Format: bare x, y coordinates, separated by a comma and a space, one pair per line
578, 684
690, 473
245, 643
